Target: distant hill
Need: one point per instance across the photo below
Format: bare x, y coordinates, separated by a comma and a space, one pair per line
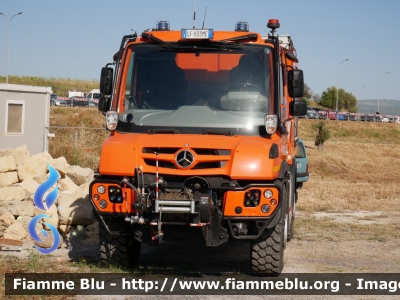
60, 86
390, 107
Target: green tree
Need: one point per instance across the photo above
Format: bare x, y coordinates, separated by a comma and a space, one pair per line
307, 94
316, 98
346, 101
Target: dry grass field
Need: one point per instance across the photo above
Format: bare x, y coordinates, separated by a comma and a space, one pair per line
80, 144
359, 168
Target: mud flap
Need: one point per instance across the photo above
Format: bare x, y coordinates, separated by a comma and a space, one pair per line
214, 234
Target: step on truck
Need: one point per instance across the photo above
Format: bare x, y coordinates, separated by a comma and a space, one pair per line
202, 144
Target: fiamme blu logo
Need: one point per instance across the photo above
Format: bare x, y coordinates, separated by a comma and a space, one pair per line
45, 205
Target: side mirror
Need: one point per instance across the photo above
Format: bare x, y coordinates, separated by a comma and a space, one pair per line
296, 83
104, 104
298, 108
106, 81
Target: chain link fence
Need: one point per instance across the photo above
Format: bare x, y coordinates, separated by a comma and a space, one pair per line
79, 145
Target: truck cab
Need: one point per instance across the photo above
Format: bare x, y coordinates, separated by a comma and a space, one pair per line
203, 125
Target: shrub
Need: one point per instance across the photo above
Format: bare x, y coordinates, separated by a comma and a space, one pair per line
323, 134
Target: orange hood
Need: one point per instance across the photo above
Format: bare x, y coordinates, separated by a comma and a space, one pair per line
238, 157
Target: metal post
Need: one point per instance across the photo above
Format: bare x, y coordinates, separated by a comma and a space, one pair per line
8, 47
337, 87
379, 95
45, 137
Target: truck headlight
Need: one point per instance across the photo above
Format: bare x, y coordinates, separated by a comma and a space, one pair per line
271, 123
111, 120
267, 194
101, 189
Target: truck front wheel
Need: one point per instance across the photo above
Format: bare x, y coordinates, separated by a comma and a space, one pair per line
118, 250
267, 252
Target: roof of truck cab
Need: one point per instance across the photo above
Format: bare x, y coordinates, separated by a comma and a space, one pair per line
176, 35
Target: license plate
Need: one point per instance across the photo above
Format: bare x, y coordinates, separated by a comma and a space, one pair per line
197, 33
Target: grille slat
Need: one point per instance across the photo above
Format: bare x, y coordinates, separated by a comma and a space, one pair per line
160, 150
201, 162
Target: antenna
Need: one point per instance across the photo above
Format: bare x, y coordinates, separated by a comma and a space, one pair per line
204, 17
194, 15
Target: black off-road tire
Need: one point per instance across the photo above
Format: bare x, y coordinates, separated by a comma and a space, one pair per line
118, 250
267, 252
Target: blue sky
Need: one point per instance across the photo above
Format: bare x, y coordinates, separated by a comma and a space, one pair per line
75, 38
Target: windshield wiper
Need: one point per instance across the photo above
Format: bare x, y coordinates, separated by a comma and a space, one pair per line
156, 131
251, 37
157, 40
219, 132
199, 48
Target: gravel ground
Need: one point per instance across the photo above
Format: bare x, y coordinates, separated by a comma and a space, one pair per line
301, 256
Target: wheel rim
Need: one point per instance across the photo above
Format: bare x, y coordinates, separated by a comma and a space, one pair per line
294, 210
285, 232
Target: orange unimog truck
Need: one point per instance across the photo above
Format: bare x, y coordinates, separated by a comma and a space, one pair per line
203, 129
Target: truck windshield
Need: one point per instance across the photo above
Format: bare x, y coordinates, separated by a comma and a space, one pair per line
195, 89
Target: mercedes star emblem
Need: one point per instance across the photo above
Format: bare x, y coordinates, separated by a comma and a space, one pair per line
184, 158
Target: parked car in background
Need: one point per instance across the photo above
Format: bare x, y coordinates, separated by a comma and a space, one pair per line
59, 101
343, 116
370, 117
320, 111
378, 117
394, 120
90, 100
93, 97
79, 101
302, 164
330, 115
322, 114
53, 98
311, 113
354, 117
